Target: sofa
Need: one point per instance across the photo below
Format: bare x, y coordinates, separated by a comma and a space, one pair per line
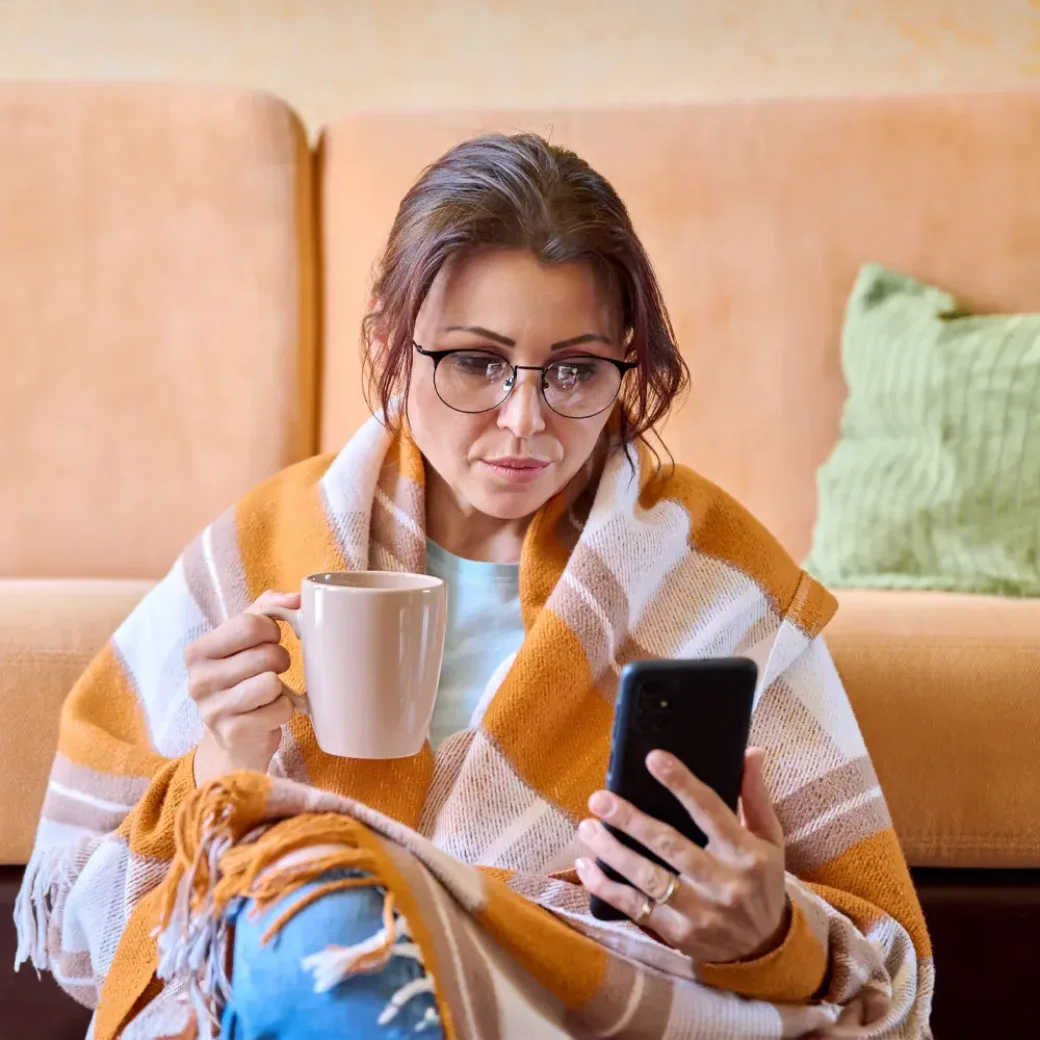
182, 278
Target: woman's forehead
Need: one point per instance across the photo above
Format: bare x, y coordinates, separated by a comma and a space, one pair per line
513, 286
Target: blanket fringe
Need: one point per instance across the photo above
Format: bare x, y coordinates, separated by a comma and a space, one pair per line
221, 858
39, 903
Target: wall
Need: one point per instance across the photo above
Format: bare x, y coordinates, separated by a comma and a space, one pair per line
327, 56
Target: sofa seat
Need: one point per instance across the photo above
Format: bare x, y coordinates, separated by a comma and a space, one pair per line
49, 632
946, 689
947, 692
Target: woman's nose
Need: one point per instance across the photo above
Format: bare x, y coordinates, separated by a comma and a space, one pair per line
522, 412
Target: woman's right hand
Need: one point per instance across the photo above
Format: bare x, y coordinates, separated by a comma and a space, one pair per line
233, 679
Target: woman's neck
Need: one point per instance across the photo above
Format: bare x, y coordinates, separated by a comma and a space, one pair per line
460, 529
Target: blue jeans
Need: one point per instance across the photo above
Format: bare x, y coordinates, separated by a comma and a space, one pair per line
273, 995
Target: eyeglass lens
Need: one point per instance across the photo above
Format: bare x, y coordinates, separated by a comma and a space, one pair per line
575, 387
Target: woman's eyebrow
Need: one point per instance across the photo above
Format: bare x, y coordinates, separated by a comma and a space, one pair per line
477, 330
588, 337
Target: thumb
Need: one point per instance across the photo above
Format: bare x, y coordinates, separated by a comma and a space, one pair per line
275, 599
756, 808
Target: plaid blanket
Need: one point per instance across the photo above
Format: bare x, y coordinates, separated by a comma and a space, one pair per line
474, 845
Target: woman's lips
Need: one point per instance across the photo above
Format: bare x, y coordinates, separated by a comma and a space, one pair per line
517, 471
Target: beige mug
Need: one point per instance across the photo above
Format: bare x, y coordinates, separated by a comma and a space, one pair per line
372, 647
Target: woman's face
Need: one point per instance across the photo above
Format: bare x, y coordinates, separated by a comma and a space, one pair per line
509, 461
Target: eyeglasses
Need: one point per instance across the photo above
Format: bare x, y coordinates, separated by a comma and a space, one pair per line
474, 381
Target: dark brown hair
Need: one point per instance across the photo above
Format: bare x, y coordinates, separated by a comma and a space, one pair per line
520, 192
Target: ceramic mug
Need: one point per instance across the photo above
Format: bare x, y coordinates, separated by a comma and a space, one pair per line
372, 647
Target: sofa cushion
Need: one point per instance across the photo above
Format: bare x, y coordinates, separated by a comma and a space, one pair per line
49, 631
757, 216
935, 483
156, 318
947, 692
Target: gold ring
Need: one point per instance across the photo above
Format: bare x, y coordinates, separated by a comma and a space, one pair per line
673, 884
644, 911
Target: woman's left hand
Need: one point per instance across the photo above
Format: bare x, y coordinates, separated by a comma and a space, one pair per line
728, 902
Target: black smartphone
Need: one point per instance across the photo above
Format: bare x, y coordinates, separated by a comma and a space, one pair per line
700, 712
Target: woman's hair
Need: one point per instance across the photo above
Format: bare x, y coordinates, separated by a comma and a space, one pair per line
520, 192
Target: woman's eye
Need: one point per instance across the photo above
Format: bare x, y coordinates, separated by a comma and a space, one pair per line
482, 366
569, 374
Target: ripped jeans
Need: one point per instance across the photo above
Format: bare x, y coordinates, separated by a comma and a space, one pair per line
295, 987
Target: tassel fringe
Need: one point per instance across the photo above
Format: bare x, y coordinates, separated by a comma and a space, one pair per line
222, 856
39, 905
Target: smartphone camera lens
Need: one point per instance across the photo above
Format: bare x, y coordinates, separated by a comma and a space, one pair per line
655, 694
655, 699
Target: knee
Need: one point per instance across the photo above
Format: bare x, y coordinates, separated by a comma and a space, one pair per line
343, 917
336, 949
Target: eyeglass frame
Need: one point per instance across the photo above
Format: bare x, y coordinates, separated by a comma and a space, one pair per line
437, 356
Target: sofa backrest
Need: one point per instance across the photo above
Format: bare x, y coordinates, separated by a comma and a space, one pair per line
157, 314
757, 216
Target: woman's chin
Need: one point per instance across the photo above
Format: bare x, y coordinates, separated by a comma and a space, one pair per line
516, 503
505, 495
517, 510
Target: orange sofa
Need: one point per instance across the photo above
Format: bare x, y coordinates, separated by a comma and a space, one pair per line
181, 284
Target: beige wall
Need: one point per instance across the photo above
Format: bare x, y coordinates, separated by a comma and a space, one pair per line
327, 56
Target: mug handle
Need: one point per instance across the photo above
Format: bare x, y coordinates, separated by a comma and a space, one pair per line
292, 619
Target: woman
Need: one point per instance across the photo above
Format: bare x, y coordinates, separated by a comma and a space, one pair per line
520, 352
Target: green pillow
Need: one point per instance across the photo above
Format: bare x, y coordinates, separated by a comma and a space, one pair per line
935, 481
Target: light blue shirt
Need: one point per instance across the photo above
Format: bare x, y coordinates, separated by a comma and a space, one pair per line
484, 629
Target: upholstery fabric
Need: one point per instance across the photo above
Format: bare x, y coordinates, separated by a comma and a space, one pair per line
757, 216
935, 482
49, 632
156, 317
945, 688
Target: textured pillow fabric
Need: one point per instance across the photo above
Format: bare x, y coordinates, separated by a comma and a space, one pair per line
935, 481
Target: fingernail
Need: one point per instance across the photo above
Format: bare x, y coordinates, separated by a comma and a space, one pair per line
581, 865
660, 760
602, 804
588, 829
